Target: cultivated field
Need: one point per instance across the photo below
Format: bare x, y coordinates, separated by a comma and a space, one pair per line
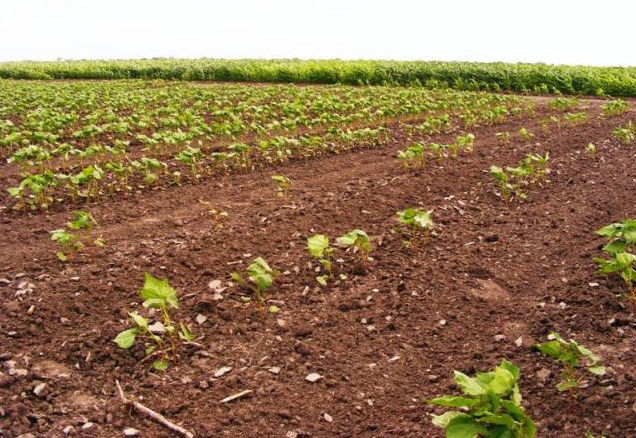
331, 254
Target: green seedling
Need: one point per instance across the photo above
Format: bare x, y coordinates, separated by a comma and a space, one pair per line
83, 220
531, 169
260, 277
536, 165
318, 247
503, 179
525, 134
570, 354
625, 134
622, 264
563, 104
621, 236
503, 137
69, 242
466, 142
418, 224
490, 406
413, 157
191, 157
576, 118
591, 150
282, 185
438, 149
359, 241
615, 108
160, 338
218, 216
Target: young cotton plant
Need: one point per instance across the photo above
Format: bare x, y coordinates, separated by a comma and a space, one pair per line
615, 108
512, 180
490, 406
282, 185
160, 338
503, 137
259, 277
620, 249
418, 224
413, 157
570, 354
625, 134
466, 142
621, 236
359, 241
69, 240
505, 183
525, 134
318, 247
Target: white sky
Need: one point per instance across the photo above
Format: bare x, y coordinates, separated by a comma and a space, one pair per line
551, 31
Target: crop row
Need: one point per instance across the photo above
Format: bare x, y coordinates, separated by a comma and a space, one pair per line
86, 140
533, 78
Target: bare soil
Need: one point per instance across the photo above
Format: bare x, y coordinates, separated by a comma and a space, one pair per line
497, 277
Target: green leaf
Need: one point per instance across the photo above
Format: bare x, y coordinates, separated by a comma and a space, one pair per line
322, 280
357, 238
261, 274
160, 365
158, 293
502, 419
468, 385
445, 418
454, 401
61, 256
139, 320
567, 384
463, 426
185, 333
273, 309
126, 339
598, 370
550, 348
317, 244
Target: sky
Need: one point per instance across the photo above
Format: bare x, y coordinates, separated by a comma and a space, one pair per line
554, 31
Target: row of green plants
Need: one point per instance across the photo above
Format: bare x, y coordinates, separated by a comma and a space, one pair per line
496, 76
160, 339
88, 140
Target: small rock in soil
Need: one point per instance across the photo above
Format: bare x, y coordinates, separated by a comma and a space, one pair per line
157, 328
328, 418
500, 338
313, 377
543, 374
68, 430
130, 431
200, 319
221, 371
274, 370
39, 389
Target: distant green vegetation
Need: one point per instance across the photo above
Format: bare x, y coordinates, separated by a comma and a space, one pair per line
523, 78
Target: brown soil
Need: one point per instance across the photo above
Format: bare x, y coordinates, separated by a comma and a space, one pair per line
384, 342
